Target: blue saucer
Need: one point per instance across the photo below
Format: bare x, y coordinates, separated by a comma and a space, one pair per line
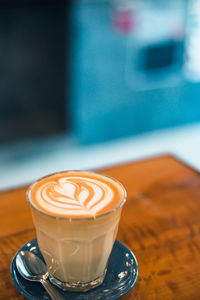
120, 278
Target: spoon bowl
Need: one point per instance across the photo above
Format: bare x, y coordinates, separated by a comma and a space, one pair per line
32, 268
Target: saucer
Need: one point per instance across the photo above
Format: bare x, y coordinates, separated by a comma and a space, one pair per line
122, 272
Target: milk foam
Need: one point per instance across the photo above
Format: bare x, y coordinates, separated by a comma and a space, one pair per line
76, 194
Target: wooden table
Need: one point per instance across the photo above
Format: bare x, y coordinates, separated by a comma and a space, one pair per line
160, 223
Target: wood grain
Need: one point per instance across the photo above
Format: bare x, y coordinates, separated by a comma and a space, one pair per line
160, 223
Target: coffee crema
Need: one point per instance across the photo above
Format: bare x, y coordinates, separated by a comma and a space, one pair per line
76, 194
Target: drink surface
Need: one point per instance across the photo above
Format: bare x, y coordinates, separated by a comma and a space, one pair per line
75, 194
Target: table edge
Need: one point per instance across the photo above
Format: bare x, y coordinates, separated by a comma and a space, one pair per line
114, 166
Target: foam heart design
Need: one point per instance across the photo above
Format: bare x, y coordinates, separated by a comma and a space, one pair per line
80, 195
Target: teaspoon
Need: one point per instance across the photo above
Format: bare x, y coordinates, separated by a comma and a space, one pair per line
32, 268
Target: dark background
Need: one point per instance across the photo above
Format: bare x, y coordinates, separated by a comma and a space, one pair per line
33, 52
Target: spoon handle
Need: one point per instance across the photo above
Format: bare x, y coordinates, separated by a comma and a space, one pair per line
53, 293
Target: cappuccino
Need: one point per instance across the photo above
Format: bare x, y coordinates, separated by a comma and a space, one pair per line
76, 215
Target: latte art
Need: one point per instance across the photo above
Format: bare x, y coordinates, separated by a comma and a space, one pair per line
76, 194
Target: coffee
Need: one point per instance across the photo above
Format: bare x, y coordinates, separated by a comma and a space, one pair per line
76, 215
76, 194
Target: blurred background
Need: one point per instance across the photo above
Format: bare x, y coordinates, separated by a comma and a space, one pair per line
91, 83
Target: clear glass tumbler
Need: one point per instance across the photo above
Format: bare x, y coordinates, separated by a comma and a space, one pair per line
76, 251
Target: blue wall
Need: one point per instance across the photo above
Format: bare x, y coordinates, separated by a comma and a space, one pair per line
103, 105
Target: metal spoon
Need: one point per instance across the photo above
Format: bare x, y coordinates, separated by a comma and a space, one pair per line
32, 268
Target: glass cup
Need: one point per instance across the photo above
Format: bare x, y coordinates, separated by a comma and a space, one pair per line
76, 251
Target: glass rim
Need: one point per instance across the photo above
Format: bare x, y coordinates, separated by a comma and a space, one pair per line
72, 217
